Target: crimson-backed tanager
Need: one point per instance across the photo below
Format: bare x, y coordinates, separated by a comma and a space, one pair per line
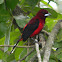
34, 26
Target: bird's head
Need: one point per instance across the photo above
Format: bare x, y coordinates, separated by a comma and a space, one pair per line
43, 13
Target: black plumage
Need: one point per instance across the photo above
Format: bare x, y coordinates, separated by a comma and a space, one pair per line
29, 29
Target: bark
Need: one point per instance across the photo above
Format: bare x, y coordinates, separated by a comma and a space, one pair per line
50, 41
37, 50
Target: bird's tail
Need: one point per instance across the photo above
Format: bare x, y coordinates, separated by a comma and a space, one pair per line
15, 45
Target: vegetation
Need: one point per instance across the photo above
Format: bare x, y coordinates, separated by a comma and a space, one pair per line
9, 32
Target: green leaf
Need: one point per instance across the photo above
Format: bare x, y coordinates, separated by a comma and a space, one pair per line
59, 16
1, 34
23, 53
18, 51
3, 28
60, 57
11, 4
21, 23
7, 39
51, 60
4, 20
4, 14
10, 57
54, 14
50, 23
1, 54
52, 56
2, 41
30, 3
59, 36
46, 3
58, 44
14, 36
58, 54
59, 51
1, 1
51, 0
30, 56
5, 55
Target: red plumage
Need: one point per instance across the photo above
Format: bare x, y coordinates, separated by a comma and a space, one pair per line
38, 26
34, 26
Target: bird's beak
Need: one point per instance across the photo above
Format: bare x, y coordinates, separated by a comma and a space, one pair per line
47, 14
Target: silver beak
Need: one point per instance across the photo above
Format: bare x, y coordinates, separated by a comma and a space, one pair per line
47, 14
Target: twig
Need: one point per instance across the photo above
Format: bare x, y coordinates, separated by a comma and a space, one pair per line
41, 50
28, 45
35, 55
15, 23
27, 55
50, 41
37, 50
16, 46
42, 40
45, 32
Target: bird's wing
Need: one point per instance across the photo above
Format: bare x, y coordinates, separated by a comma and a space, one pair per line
29, 29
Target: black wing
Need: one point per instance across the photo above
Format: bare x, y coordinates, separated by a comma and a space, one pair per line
29, 29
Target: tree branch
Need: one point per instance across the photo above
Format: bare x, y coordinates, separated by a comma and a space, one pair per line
41, 50
50, 41
27, 55
45, 32
17, 46
37, 50
14, 22
35, 56
42, 40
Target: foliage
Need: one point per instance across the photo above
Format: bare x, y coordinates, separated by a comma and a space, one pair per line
6, 25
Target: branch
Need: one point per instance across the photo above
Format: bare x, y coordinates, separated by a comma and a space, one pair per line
14, 22
28, 45
45, 32
37, 50
27, 55
35, 56
50, 41
16, 46
41, 50
42, 40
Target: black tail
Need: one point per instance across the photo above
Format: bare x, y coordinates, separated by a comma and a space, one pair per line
14, 46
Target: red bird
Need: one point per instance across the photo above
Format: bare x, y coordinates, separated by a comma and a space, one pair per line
34, 26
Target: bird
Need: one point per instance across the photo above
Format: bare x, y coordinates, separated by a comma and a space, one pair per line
34, 26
